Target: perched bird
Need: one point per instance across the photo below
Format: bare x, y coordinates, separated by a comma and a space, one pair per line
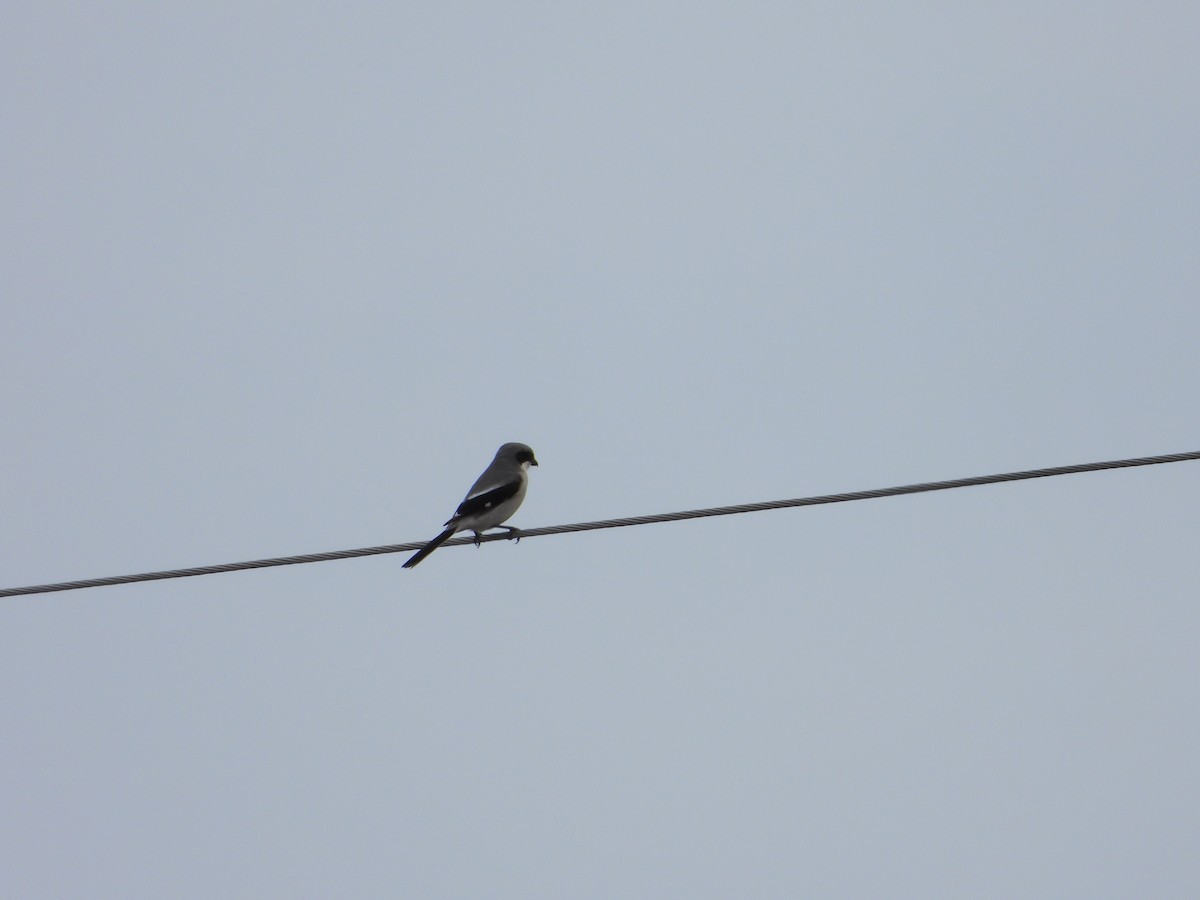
493, 498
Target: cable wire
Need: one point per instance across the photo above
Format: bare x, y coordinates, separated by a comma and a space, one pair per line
611, 523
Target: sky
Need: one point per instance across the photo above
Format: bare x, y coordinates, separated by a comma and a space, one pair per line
279, 279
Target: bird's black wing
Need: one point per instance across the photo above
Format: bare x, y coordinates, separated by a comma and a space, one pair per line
479, 503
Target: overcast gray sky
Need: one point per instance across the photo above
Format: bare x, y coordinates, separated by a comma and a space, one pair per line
281, 278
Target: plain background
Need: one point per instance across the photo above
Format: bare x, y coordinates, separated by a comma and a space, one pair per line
279, 278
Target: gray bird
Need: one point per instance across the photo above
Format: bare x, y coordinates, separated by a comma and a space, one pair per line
493, 498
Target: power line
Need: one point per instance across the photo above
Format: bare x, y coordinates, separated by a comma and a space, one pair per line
612, 523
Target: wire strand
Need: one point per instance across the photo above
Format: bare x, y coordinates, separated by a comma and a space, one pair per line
611, 523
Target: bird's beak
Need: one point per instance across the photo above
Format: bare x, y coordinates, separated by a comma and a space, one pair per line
533, 462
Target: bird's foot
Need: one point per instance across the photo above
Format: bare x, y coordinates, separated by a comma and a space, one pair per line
514, 534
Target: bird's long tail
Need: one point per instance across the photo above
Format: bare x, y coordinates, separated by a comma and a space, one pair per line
429, 548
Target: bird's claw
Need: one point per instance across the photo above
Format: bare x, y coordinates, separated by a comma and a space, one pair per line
514, 534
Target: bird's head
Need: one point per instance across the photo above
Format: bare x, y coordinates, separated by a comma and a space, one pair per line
521, 454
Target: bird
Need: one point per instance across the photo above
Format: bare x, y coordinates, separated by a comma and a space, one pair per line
492, 500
